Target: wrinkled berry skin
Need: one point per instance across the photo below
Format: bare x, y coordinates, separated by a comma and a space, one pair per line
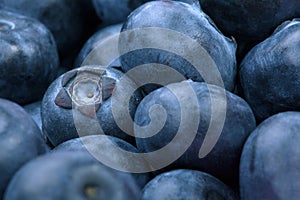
183, 184
20, 140
269, 74
70, 175
64, 18
188, 20
270, 162
223, 160
98, 145
28, 58
250, 20
95, 41
58, 106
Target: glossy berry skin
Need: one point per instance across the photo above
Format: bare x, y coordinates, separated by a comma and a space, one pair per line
250, 20
223, 160
269, 74
98, 144
28, 58
93, 43
182, 18
70, 175
20, 139
183, 184
270, 162
68, 109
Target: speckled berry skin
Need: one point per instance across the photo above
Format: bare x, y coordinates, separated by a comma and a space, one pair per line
20, 139
182, 18
58, 105
269, 74
270, 162
70, 175
28, 58
187, 184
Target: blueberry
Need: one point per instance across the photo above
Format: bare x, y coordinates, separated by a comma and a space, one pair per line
76, 98
93, 42
64, 18
269, 73
270, 165
250, 20
187, 184
20, 140
99, 144
28, 58
70, 175
181, 18
223, 160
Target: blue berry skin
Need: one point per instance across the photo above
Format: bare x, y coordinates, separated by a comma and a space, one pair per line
223, 160
188, 20
70, 175
28, 58
183, 184
270, 162
98, 145
20, 139
269, 74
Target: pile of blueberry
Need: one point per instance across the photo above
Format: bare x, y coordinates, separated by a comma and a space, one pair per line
151, 100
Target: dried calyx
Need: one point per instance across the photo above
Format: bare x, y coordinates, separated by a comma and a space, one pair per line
85, 87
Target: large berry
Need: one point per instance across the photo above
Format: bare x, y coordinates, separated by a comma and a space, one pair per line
104, 147
69, 176
20, 140
182, 22
269, 74
251, 20
28, 58
79, 103
187, 184
225, 121
270, 163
